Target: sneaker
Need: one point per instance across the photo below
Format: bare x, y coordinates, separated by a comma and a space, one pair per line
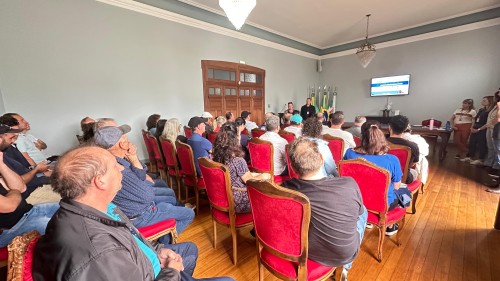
492, 184
495, 175
369, 225
494, 190
190, 206
391, 230
466, 159
477, 162
344, 275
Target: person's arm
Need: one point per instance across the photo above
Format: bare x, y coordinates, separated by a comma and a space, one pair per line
397, 185
131, 156
40, 168
40, 144
12, 180
10, 201
28, 158
452, 121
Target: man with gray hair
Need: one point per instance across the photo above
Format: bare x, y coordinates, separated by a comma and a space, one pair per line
355, 130
335, 130
279, 143
338, 217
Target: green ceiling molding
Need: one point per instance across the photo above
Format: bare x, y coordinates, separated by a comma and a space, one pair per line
184, 9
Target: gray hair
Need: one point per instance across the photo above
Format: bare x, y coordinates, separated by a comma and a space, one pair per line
304, 155
359, 119
272, 123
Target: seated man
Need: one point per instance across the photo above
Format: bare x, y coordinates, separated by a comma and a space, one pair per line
355, 130
16, 215
397, 125
279, 143
295, 126
250, 125
422, 166
30, 147
200, 145
337, 120
338, 217
143, 203
89, 238
209, 123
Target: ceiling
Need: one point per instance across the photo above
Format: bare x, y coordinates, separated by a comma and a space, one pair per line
327, 23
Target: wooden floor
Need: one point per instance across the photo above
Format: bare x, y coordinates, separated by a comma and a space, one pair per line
451, 237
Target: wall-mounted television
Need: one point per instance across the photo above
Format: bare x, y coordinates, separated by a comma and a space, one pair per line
390, 86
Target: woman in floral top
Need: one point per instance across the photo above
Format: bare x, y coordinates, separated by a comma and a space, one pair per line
227, 150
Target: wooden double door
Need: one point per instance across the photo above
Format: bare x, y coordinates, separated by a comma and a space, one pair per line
233, 87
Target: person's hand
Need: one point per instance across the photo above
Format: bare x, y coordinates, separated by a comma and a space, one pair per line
42, 167
132, 150
455, 128
38, 144
167, 257
175, 265
472, 130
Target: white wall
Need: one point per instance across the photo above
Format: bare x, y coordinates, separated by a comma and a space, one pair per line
444, 71
63, 60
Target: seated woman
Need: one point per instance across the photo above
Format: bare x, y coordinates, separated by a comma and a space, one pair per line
312, 130
374, 148
240, 124
151, 123
172, 130
227, 150
160, 126
220, 120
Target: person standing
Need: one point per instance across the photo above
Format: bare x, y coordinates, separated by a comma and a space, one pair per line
307, 110
477, 141
461, 122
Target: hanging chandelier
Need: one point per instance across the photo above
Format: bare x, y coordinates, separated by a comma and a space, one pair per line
237, 11
366, 52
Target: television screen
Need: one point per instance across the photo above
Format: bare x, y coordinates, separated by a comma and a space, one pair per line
390, 86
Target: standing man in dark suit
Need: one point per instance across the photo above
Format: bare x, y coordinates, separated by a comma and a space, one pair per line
307, 110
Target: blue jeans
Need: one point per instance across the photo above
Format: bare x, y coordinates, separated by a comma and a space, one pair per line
36, 219
164, 211
166, 195
497, 153
360, 228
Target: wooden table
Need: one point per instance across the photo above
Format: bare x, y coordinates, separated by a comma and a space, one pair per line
419, 130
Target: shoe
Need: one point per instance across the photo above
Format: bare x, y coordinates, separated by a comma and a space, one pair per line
391, 230
190, 206
369, 225
494, 175
344, 275
492, 184
457, 156
477, 163
466, 159
494, 190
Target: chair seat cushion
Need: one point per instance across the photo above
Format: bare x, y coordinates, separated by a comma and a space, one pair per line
223, 217
314, 270
392, 216
4, 254
153, 229
414, 186
280, 179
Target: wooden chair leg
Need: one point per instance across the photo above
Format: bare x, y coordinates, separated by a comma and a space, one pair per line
186, 190
338, 273
401, 224
414, 203
197, 194
422, 188
169, 177
215, 233
178, 188
261, 267
381, 237
234, 235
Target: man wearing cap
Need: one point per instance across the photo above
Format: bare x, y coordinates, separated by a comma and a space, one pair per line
138, 198
201, 146
335, 130
16, 215
249, 125
307, 110
209, 123
295, 125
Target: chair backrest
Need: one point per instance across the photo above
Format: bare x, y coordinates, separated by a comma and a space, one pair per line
188, 132
261, 155
357, 140
403, 153
211, 137
21, 252
336, 146
291, 172
427, 122
160, 162
169, 154
373, 182
149, 148
257, 132
218, 184
244, 132
186, 159
281, 219
289, 137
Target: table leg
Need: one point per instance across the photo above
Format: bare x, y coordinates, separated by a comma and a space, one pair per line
497, 219
444, 143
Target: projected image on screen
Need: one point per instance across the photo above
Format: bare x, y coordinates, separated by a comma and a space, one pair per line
390, 86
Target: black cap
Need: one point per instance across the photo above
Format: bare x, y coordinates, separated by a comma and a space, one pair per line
195, 121
244, 114
4, 129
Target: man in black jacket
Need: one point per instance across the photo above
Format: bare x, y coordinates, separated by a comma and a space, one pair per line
89, 238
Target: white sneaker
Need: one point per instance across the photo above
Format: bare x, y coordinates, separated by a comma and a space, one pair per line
190, 206
369, 225
344, 275
466, 159
477, 162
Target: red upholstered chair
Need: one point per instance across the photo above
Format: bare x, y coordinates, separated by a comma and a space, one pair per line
336, 146
220, 195
151, 155
257, 133
155, 231
211, 137
281, 218
431, 138
403, 153
21, 251
373, 183
291, 172
172, 167
4, 254
262, 158
357, 140
188, 171
188, 131
287, 135
160, 161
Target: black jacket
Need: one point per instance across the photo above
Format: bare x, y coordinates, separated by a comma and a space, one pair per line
82, 243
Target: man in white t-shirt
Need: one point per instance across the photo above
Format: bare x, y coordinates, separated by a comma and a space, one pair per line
249, 125
337, 120
279, 143
30, 147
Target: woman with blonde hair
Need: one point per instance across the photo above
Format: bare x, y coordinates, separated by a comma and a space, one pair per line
461, 122
172, 130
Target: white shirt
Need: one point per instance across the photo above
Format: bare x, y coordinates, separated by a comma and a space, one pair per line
250, 125
295, 130
26, 143
346, 136
464, 116
279, 144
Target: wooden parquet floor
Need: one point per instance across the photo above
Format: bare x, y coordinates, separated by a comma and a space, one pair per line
451, 237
